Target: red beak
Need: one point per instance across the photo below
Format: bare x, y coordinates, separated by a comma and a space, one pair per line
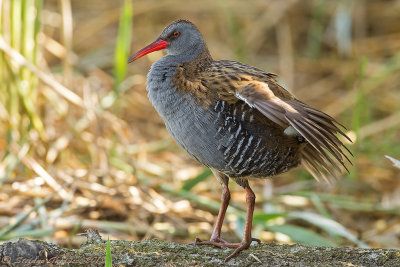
154, 46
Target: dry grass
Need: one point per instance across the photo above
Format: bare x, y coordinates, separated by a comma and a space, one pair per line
76, 155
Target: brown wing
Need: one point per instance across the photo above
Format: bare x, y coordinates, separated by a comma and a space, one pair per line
234, 81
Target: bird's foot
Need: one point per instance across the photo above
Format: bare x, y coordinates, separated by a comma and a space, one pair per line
241, 246
216, 241
219, 242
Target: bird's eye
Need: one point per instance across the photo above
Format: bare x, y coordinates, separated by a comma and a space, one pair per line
176, 34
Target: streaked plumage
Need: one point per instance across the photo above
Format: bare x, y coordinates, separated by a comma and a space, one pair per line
243, 87
236, 119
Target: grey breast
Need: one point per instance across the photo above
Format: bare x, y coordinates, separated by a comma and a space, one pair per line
188, 122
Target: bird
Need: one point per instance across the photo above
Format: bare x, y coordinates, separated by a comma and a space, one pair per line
237, 120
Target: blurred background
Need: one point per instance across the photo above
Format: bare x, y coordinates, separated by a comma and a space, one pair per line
81, 146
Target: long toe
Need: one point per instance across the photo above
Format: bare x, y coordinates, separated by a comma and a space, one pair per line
217, 242
242, 246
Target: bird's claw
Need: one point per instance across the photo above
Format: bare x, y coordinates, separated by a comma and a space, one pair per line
219, 242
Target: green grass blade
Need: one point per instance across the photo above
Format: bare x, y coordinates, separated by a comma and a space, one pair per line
123, 44
300, 234
36, 233
28, 29
37, 27
121, 53
262, 217
319, 205
121, 164
15, 41
16, 6
327, 225
108, 254
29, 48
189, 184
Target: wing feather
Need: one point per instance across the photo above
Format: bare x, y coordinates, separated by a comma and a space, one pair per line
324, 152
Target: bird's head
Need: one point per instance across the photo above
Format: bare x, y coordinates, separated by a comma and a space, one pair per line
180, 38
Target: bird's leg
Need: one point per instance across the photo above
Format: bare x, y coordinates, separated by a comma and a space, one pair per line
247, 239
225, 198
